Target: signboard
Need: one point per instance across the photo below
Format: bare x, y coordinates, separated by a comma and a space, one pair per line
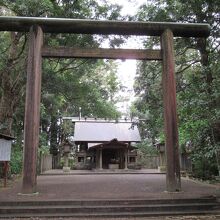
5, 150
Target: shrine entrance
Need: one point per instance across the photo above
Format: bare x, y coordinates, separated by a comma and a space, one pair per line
38, 26
111, 159
112, 155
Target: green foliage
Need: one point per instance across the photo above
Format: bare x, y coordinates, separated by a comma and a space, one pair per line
146, 152
148, 106
146, 148
16, 159
29, 7
72, 162
204, 168
43, 150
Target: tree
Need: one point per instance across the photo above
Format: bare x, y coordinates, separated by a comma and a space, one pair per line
197, 77
12, 77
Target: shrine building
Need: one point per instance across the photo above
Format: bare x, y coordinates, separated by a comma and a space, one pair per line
106, 144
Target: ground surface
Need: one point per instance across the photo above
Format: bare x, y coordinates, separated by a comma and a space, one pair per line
94, 186
108, 186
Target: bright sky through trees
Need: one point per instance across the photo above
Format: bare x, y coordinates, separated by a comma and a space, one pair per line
127, 68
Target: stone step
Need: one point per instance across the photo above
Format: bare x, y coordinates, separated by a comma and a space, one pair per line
108, 207
113, 215
104, 209
108, 202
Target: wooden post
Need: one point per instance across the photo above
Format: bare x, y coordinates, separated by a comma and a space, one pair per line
173, 181
32, 110
100, 158
126, 158
5, 172
97, 158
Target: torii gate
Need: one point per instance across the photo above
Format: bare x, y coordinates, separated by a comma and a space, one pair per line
37, 26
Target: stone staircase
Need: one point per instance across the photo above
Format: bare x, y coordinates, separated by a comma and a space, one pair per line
109, 208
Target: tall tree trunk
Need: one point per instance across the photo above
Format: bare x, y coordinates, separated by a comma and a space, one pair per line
54, 135
7, 106
9, 85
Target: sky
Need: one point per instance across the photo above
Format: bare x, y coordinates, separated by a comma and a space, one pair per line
126, 69
129, 6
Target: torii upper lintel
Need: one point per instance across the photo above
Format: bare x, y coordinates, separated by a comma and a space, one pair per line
83, 26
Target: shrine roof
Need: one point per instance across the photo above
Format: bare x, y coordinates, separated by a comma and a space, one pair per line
99, 132
6, 137
111, 144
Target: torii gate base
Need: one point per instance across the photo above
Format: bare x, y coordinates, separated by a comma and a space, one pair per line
37, 26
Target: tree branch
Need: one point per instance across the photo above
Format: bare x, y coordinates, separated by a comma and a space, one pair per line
188, 66
70, 68
184, 51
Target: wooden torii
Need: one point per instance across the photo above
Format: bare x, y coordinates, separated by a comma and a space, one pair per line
37, 26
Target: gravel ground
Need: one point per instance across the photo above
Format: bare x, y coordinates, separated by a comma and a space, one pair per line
128, 186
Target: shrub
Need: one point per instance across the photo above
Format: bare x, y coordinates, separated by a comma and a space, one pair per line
16, 159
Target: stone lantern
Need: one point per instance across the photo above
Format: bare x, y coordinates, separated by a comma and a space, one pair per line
66, 150
161, 149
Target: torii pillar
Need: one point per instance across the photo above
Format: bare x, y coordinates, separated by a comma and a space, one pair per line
32, 110
173, 180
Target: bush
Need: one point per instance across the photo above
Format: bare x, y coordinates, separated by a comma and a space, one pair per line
16, 159
81, 166
204, 169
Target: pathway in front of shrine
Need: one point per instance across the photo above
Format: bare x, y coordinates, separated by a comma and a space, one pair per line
108, 186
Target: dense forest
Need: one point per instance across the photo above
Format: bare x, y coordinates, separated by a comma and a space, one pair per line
92, 85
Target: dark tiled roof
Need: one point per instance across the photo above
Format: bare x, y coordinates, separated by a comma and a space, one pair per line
6, 137
112, 144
